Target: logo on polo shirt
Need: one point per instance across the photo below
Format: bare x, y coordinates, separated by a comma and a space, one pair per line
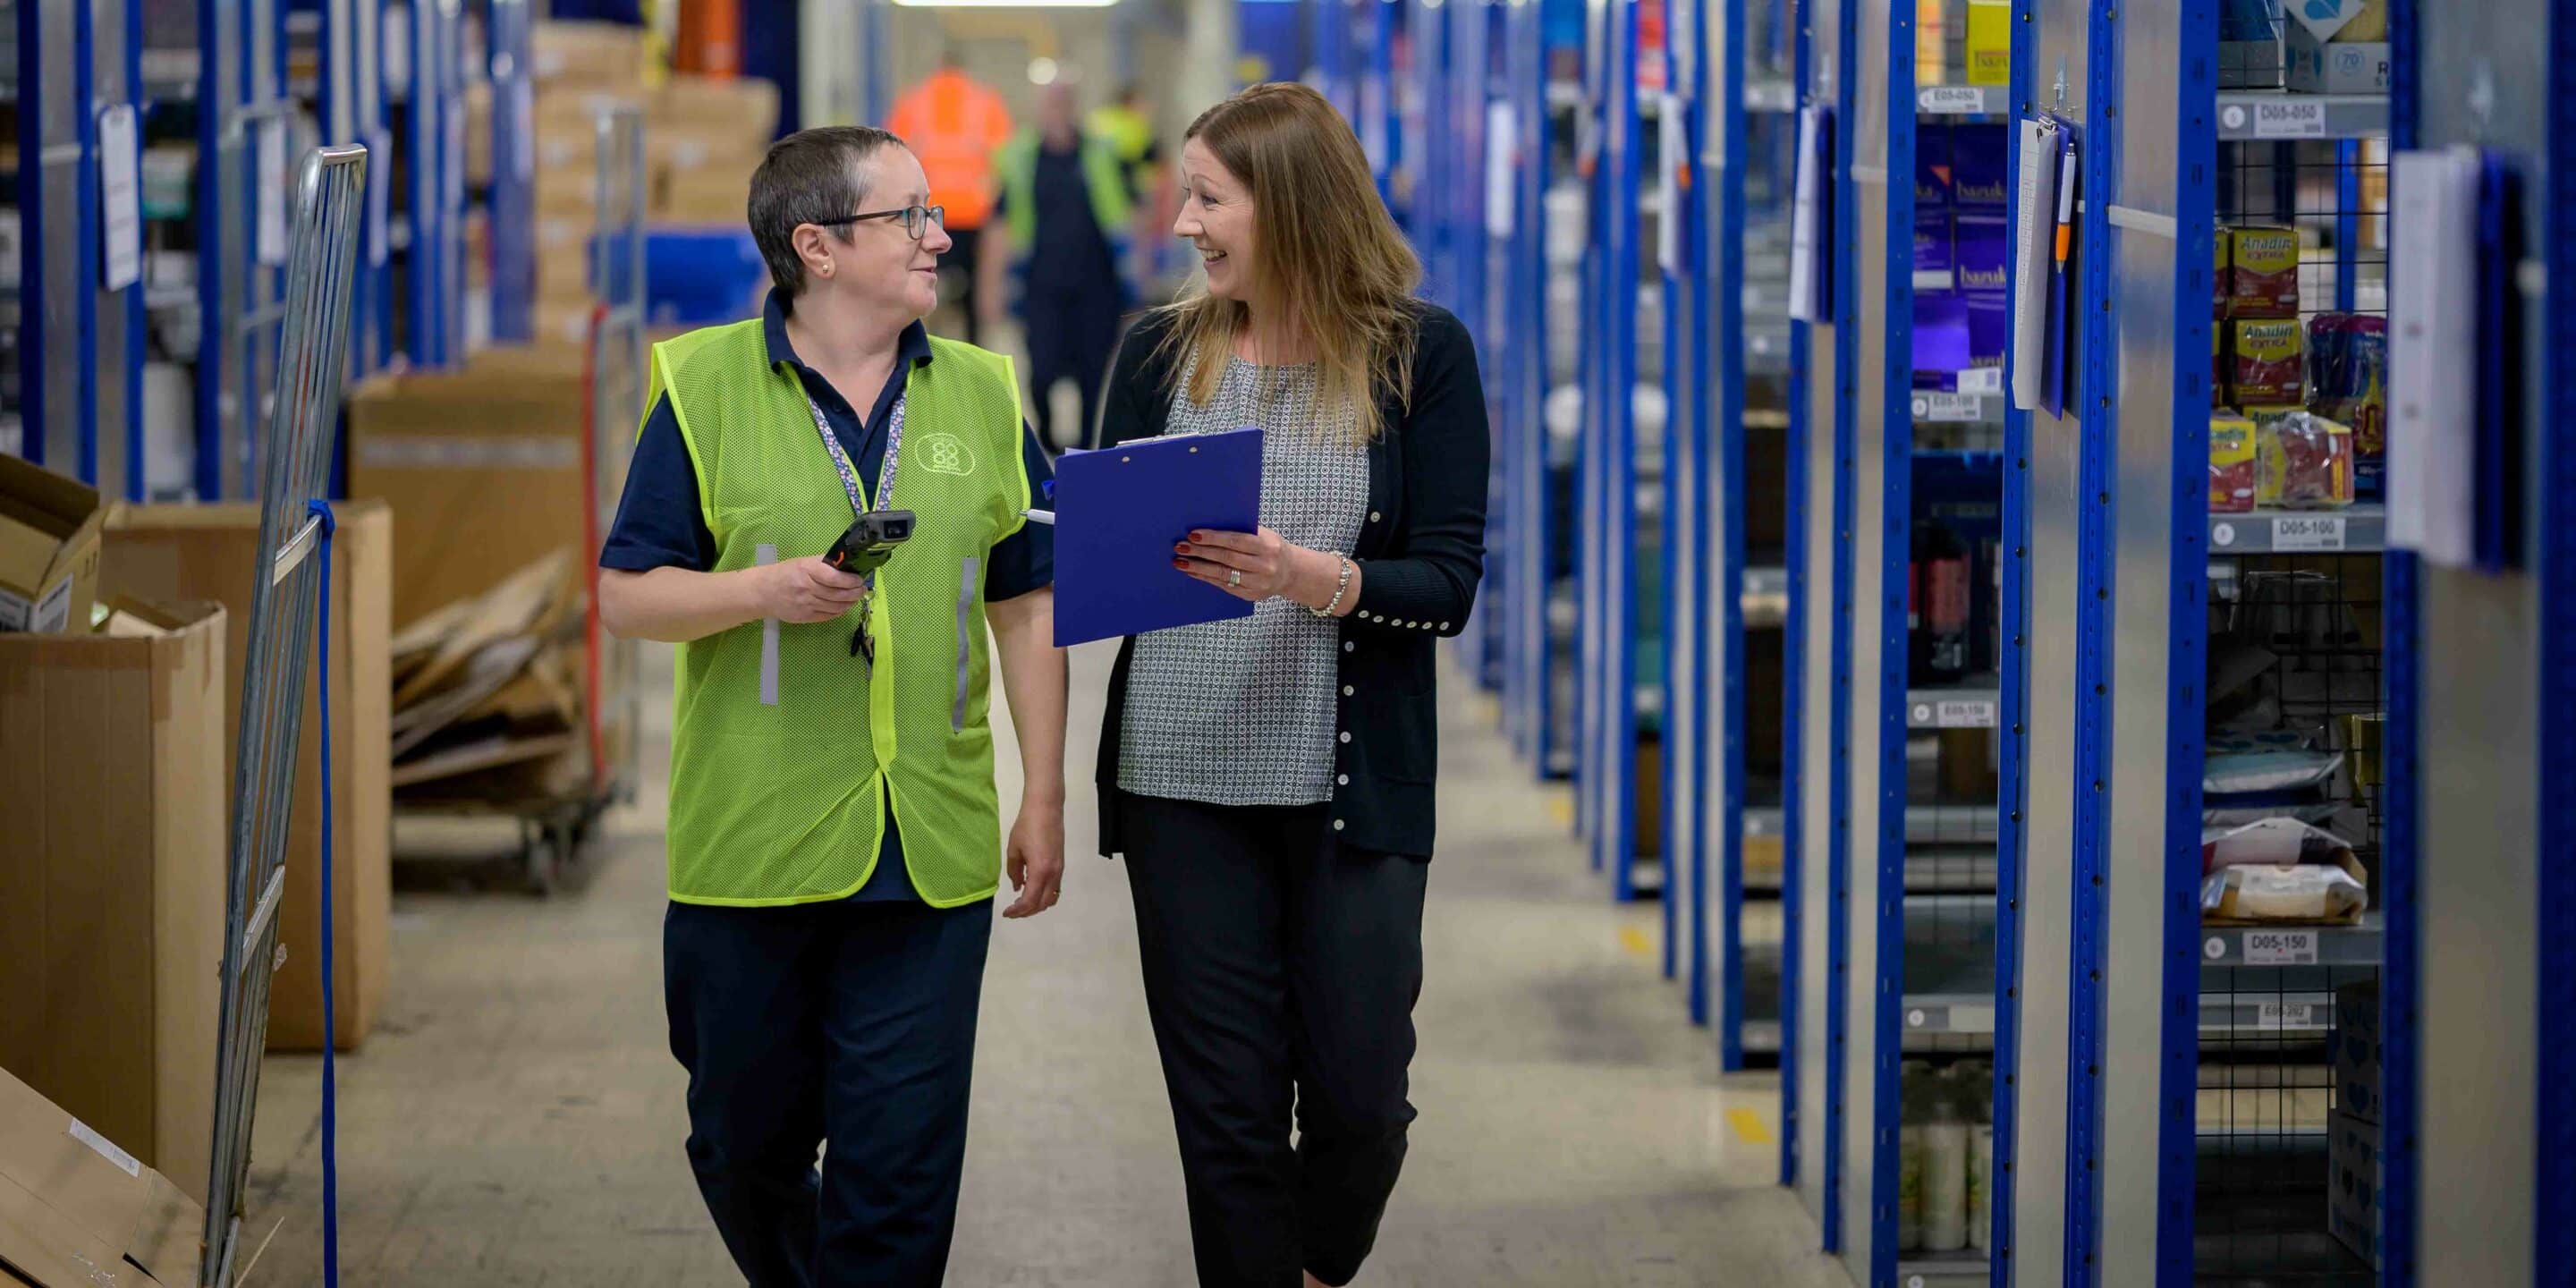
948, 456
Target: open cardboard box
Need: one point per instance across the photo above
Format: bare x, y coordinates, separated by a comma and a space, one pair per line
78, 1211
48, 549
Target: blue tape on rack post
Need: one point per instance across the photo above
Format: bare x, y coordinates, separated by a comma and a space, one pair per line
330, 1030
2401, 839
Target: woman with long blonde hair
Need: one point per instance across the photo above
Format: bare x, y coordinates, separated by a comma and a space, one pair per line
1269, 779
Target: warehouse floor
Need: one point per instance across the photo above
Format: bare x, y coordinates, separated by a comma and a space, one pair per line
516, 1119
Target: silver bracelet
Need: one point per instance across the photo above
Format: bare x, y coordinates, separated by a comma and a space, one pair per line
1340, 588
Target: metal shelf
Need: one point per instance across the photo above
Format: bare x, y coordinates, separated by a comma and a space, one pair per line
1950, 1013
1974, 704
1962, 100
2302, 1011
1949, 874
1937, 408
2362, 528
2271, 115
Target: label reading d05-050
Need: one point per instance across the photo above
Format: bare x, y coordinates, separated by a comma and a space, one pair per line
2289, 119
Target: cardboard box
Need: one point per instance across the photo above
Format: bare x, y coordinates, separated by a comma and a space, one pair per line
2354, 1048
78, 1211
1989, 42
609, 54
112, 900
2266, 361
2352, 1185
48, 548
2262, 271
2313, 66
482, 465
704, 196
741, 106
210, 552
2231, 464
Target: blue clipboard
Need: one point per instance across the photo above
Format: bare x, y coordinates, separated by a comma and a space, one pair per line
1118, 513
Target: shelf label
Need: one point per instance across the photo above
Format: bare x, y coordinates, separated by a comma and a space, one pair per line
2289, 118
1955, 713
1954, 99
1949, 407
271, 176
1981, 380
2280, 948
2307, 532
2287, 1015
120, 191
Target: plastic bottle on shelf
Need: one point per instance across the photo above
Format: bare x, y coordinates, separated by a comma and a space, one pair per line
1938, 641
1979, 1080
1912, 1079
1945, 1167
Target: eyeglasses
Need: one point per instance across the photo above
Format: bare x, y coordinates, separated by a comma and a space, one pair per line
916, 219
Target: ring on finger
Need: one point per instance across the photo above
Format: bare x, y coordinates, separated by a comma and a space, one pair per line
1234, 577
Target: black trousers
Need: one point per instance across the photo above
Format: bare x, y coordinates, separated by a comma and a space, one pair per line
1281, 971
964, 253
1071, 332
850, 1022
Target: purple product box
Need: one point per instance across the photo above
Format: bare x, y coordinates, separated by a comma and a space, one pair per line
1935, 251
1980, 168
1983, 249
1941, 341
1989, 326
1932, 174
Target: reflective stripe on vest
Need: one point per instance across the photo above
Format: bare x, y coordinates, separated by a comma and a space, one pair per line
778, 732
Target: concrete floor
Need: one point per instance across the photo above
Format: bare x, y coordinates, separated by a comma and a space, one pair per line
516, 1119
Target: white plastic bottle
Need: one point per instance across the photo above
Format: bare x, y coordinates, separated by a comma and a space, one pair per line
1945, 1169
1980, 1083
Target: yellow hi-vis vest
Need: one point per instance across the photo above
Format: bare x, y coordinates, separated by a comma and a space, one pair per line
784, 745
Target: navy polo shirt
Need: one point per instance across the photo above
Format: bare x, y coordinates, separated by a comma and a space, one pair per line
661, 525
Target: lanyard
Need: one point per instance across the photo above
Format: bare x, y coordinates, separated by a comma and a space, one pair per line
849, 477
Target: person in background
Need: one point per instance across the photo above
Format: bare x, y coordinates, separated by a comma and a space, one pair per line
1270, 778
953, 123
835, 836
1064, 195
1130, 130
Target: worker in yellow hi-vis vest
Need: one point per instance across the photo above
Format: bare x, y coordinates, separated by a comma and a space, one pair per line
825, 510
1064, 206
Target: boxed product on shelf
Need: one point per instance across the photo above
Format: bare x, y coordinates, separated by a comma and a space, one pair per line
2313, 66
2300, 895
586, 53
114, 829
209, 552
1989, 327
74, 1202
2231, 463
2348, 382
1941, 339
2303, 462
2271, 842
1989, 42
2352, 1186
736, 107
2262, 271
2266, 362
1980, 162
1983, 247
49, 527
2354, 1045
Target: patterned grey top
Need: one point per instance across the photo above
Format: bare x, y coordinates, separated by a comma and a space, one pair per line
1242, 712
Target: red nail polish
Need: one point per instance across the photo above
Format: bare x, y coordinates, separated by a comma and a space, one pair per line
1183, 566
1183, 548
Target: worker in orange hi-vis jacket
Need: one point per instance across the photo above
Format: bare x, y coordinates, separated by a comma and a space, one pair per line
954, 124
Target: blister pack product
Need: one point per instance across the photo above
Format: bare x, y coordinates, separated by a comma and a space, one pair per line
2303, 462
2348, 382
2303, 893
2231, 463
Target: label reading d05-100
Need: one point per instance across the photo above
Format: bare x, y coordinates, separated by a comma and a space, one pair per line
2307, 532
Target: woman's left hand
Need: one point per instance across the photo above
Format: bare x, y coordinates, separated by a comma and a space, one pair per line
1249, 566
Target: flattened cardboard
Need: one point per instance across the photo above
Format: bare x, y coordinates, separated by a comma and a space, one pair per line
70, 1208
48, 549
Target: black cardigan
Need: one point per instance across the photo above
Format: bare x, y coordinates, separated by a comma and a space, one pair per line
1421, 553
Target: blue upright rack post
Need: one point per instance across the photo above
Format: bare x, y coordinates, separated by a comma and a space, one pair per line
513, 197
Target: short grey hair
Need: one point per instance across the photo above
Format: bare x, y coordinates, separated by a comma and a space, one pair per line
809, 177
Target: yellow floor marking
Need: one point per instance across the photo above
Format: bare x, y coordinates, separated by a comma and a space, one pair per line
1561, 809
1749, 1125
1635, 941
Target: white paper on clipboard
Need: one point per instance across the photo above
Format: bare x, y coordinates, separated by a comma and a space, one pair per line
1502, 170
1804, 304
2034, 245
2432, 314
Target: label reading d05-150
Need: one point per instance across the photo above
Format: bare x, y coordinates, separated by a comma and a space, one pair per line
2280, 947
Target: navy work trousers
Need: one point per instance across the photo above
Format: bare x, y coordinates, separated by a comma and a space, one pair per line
849, 1022
1281, 970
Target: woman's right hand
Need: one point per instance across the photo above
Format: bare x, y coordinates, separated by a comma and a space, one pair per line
806, 590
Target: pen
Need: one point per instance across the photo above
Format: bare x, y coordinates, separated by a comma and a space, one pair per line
1046, 517
2065, 211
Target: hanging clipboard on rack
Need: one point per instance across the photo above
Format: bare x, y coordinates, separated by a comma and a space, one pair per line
2043, 262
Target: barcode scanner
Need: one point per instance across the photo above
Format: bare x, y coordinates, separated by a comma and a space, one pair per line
870, 541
